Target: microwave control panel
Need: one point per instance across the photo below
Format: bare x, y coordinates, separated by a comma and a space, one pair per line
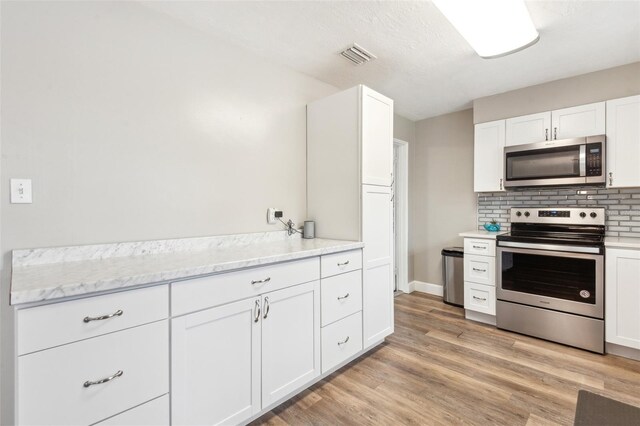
594, 159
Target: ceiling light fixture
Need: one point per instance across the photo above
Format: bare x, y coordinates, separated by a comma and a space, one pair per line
357, 54
493, 28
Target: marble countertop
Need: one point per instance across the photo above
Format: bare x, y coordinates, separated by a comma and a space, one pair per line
622, 242
53, 273
482, 234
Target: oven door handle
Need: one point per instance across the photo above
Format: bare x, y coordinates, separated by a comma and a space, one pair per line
553, 247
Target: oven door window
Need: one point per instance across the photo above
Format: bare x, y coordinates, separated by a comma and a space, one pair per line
549, 163
558, 277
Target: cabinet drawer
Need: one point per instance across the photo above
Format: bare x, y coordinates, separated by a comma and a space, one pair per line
480, 298
341, 340
152, 413
479, 246
337, 263
340, 296
46, 326
480, 269
52, 383
201, 293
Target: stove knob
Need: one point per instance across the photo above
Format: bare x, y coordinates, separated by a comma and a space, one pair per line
583, 215
518, 214
593, 215
526, 214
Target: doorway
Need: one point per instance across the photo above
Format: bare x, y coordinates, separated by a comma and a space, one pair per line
400, 188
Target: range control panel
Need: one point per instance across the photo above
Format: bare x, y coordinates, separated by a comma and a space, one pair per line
569, 216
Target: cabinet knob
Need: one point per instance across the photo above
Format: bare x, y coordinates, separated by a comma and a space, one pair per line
343, 297
256, 311
501, 184
105, 380
117, 313
345, 263
555, 133
265, 280
266, 307
610, 178
344, 341
546, 134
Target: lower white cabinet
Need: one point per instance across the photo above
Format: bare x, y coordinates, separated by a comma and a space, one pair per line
152, 413
622, 297
341, 340
480, 278
480, 298
230, 361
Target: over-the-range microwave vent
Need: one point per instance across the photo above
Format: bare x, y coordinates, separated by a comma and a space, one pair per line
357, 54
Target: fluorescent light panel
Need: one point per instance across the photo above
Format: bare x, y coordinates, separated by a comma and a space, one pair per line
493, 28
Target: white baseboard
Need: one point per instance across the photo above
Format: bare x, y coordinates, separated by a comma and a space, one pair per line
428, 288
624, 351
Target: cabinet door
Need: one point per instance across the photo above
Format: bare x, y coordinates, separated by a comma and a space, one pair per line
488, 156
290, 340
215, 375
623, 142
377, 138
377, 286
528, 129
622, 297
582, 120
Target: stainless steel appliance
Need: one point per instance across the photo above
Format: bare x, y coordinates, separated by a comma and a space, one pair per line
453, 275
550, 280
578, 161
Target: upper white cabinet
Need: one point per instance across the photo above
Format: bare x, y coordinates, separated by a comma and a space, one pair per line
528, 128
488, 156
377, 138
622, 296
623, 142
573, 122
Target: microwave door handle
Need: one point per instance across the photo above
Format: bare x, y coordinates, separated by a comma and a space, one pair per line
583, 160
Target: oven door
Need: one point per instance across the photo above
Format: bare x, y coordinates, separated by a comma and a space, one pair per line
558, 280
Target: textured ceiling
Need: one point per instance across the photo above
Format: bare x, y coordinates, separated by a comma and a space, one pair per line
423, 63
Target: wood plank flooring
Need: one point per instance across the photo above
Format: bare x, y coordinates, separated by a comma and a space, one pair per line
440, 369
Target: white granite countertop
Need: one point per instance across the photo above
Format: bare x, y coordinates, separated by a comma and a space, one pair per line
622, 242
482, 234
52, 273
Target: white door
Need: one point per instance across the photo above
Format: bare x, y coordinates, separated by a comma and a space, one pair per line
377, 138
528, 129
623, 142
622, 297
215, 365
575, 122
377, 286
488, 156
290, 340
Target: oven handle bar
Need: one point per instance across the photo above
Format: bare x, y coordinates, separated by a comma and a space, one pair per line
554, 247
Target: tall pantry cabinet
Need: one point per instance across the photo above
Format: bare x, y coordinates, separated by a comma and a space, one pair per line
349, 193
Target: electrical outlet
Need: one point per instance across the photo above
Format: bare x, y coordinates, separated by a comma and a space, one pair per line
273, 215
21, 191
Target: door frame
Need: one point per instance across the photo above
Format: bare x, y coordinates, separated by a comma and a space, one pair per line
401, 239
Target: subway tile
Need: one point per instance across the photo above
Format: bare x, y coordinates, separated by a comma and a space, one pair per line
611, 234
630, 191
615, 217
629, 234
619, 228
597, 197
607, 191
558, 197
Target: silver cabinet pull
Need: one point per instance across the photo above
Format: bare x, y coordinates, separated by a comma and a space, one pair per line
344, 341
345, 263
610, 178
546, 134
480, 247
117, 313
105, 380
266, 307
479, 298
343, 297
256, 315
501, 184
265, 280
555, 133
479, 270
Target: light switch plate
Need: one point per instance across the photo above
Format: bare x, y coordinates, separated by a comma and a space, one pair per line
21, 191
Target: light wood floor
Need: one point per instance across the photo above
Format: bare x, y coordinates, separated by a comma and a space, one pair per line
438, 368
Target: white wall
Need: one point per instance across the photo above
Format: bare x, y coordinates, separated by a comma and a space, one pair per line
135, 127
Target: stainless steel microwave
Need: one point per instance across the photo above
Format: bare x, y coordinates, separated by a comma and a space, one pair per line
578, 161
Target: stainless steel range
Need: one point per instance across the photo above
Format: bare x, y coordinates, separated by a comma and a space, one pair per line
551, 275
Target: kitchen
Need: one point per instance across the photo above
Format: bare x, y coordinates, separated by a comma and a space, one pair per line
142, 122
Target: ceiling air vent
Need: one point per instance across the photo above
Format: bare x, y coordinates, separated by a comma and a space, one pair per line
357, 54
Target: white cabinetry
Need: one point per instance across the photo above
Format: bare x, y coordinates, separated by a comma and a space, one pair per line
480, 279
623, 142
622, 297
349, 165
582, 120
488, 156
530, 128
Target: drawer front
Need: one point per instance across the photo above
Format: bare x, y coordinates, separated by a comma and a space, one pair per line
479, 246
341, 340
46, 326
338, 263
202, 293
51, 383
480, 298
340, 296
152, 413
480, 269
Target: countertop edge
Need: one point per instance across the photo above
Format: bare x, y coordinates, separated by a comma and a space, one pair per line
622, 242
481, 234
